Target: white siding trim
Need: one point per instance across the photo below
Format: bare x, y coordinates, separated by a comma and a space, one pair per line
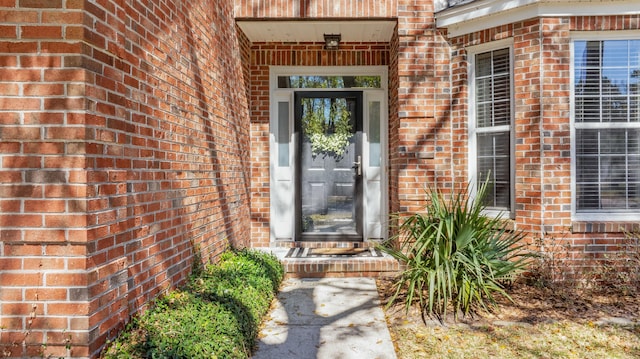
594, 216
281, 204
477, 16
473, 130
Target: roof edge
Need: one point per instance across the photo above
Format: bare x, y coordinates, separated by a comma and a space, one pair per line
483, 14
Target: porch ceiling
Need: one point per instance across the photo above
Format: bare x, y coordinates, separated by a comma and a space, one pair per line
313, 31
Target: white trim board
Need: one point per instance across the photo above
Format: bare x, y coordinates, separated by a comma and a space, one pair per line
480, 15
313, 31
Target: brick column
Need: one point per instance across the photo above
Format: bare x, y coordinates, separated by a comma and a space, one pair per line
125, 142
420, 131
43, 277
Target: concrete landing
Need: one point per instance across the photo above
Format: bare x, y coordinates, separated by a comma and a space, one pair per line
326, 318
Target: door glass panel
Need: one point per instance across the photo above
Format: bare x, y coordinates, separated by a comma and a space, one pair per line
374, 134
328, 187
283, 134
336, 82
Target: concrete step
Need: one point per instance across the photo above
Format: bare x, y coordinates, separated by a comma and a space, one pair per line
335, 259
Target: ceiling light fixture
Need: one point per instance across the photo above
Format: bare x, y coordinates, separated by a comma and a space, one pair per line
332, 41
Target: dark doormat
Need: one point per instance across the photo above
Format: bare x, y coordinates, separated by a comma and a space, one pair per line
332, 252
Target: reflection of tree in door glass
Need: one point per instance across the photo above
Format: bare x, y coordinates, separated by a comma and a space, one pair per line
328, 151
329, 82
326, 124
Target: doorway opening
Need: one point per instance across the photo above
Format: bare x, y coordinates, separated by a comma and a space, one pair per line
328, 154
329, 165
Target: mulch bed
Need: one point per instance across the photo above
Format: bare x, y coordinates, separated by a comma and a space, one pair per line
535, 305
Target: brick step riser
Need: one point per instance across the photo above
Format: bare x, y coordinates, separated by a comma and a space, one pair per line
339, 267
309, 269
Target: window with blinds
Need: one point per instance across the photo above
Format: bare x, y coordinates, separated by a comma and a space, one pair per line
492, 128
607, 126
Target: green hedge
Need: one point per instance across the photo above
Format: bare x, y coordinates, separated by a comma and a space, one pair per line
216, 315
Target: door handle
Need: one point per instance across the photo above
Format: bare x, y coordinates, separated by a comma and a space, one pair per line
358, 166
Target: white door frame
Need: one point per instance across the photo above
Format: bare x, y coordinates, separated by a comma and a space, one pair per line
282, 156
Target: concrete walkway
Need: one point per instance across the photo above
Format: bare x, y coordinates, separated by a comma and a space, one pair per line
326, 318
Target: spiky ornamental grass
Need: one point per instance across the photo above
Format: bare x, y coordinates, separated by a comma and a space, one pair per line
454, 255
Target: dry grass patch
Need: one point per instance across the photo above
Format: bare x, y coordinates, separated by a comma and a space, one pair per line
553, 340
539, 323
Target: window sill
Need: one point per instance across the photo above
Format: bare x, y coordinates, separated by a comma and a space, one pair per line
604, 227
506, 223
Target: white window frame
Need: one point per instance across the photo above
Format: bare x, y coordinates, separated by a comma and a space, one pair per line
595, 215
473, 130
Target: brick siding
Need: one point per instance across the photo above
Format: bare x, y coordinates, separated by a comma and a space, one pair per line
543, 144
264, 55
315, 9
43, 192
420, 133
125, 142
136, 133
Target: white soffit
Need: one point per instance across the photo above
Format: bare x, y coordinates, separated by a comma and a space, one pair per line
485, 14
313, 31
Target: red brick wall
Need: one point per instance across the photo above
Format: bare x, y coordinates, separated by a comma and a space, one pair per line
419, 127
315, 8
419, 93
542, 129
129, 142
527, 78
264, 55
526, 81
420, 133
43, 190
125, 147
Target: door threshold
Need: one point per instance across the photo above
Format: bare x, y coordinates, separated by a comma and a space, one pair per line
324, 238
330, 244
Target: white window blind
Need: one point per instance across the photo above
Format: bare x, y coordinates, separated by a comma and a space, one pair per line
607, 125
493, 126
